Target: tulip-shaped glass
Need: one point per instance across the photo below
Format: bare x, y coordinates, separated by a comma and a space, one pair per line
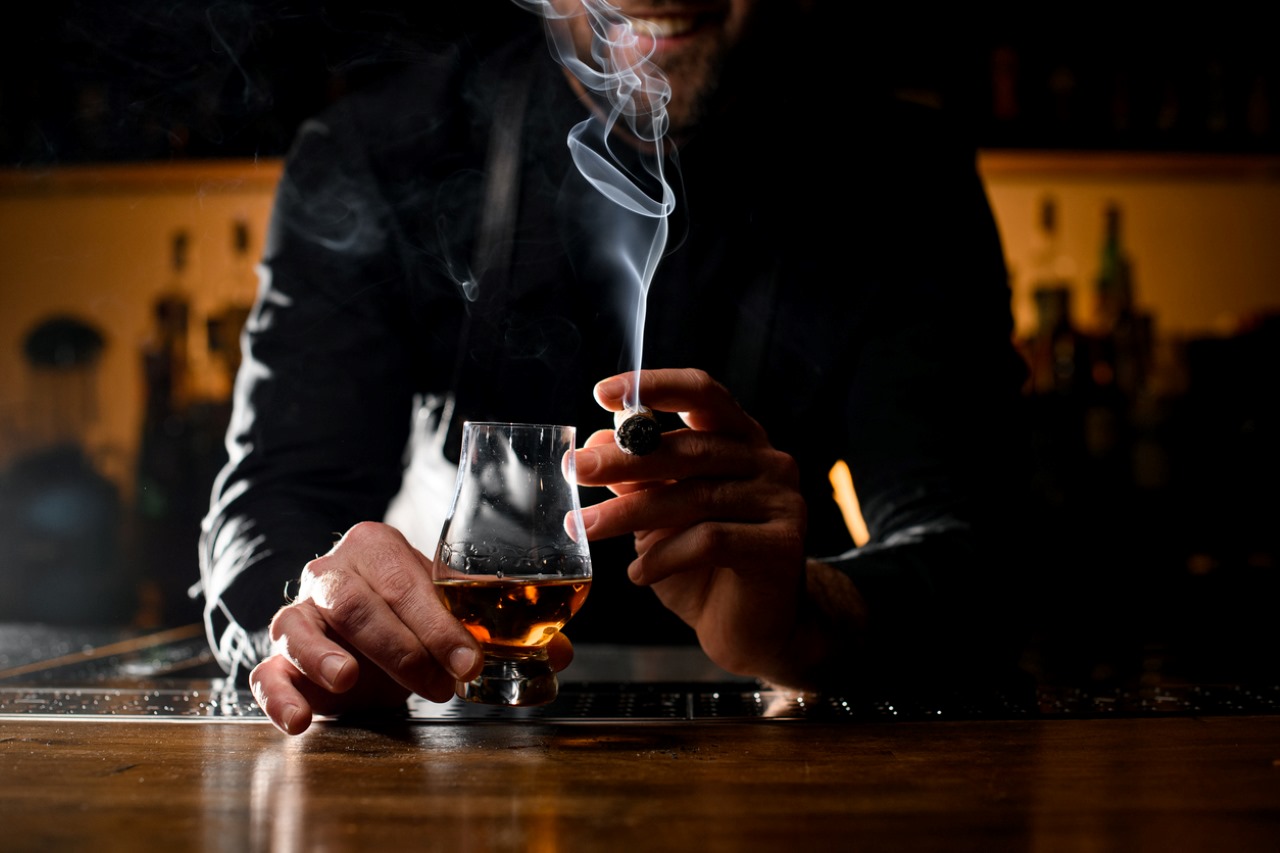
512, 562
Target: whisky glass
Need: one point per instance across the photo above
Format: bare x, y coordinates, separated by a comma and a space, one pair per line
512, 562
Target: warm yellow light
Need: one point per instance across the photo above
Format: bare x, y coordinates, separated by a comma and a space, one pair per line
847, 498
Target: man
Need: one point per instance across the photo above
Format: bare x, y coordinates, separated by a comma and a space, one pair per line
848, 293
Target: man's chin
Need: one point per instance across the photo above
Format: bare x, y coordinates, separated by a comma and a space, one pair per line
693, 83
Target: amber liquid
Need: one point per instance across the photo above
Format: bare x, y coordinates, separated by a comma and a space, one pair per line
514, 616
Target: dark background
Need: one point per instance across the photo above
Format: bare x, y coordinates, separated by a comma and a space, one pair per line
118, 81
1132, 582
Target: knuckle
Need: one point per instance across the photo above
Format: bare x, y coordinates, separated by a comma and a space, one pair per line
724, 499
365, 532
701, 382
341, 607
291, 648
782, 467
312, 571
278, 628
704, 493
697, 444
399, 586
707, 538
266, 677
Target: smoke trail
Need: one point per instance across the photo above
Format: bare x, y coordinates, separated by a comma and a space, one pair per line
630, 88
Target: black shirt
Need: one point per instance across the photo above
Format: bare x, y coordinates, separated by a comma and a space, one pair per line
848, 288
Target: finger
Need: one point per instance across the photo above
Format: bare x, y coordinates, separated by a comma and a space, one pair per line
291, 699
332, 670
691, 502
375, 593
300, 635
746, 549
703, 403
274, 686
683, 454
645, 539
599, 437
404, 580
588, 457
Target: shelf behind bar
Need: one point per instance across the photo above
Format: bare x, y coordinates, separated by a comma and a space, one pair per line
213, 175
1013, 163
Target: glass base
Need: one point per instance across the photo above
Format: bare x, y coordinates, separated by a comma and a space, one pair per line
528, 681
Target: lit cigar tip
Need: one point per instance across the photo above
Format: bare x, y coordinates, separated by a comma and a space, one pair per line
637, 431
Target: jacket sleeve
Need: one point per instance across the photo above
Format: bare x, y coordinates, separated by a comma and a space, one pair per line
936, 439
322, 404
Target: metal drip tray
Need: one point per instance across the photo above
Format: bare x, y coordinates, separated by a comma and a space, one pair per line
160, 702
170, 676
213, 701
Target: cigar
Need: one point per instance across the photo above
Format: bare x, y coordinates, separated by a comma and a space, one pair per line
636, 430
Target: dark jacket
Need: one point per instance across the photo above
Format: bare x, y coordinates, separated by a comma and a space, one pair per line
849, 289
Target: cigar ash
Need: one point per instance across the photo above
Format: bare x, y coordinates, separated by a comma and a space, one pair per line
637, 431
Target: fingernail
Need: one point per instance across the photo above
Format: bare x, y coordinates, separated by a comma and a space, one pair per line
290, 712
461, 661
589, 517
634, 573
331, 667
585, 462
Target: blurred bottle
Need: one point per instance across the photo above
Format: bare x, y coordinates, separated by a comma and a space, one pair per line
1006, 103
1123, 349
1115, 280
60, 515
165, 356
1058, 351
1055, 351
223, 327
166, 523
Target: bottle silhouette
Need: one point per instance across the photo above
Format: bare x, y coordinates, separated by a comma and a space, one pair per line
1056, 351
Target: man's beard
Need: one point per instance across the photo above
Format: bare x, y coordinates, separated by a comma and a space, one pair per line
695, 84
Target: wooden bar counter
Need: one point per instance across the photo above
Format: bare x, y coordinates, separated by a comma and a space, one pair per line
153, 779
1166, 784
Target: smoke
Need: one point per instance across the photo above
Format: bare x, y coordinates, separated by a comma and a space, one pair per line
627, 88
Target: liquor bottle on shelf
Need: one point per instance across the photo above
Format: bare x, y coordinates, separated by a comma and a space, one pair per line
1055, 350
166, 503
1123, 348
1115, 281
165, 356
223, 327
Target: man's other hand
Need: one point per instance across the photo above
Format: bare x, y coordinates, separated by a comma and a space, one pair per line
718, 519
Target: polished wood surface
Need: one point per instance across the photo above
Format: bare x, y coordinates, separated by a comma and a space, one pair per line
1183, 783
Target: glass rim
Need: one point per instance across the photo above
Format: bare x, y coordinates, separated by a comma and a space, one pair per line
519, 424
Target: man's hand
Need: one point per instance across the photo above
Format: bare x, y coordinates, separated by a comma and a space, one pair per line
366, 630
718, 519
